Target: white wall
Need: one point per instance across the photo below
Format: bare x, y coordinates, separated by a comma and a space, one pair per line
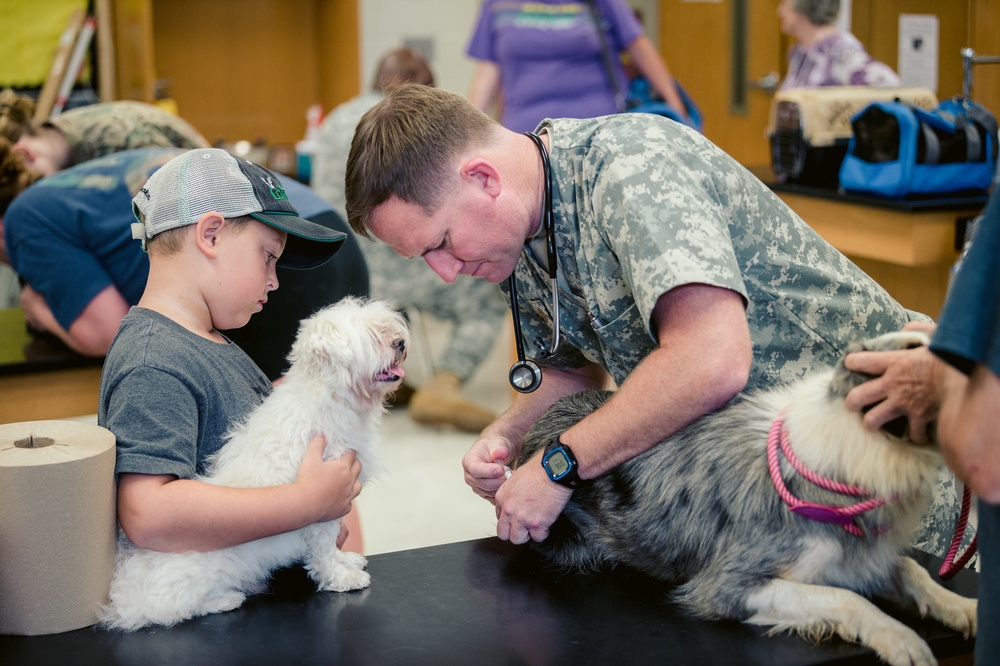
445, 25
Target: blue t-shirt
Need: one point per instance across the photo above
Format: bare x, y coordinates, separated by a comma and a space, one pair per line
69, 236
968, 332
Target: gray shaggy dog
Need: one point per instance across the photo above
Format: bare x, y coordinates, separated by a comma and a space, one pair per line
701, 510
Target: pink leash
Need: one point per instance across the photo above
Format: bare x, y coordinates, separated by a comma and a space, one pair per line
778, 438
950, 566
843, 515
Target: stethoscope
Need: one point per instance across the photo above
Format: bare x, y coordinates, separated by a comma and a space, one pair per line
525, 375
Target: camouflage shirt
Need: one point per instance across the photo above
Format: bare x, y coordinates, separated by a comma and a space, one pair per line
101, 129
643, 205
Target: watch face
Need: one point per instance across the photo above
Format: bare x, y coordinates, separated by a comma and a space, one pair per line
558, 463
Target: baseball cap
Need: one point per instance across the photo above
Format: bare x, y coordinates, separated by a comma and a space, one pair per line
210, 179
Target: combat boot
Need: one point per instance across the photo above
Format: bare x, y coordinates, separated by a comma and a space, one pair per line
439, 401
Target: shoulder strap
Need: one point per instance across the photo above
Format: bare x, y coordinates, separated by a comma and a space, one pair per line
609, 68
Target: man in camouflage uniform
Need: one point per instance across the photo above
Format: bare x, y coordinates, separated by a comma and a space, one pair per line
679, 273
474, 308
87, 132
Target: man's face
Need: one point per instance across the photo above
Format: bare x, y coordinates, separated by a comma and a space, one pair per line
467, 235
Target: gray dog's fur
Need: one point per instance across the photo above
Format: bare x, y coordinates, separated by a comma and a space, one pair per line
700, 510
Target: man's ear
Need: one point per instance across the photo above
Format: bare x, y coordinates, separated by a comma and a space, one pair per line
206, 232
484, 174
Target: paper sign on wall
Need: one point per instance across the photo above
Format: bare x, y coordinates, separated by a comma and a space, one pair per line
918, 50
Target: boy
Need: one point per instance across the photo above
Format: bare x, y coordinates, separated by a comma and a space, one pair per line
215, 227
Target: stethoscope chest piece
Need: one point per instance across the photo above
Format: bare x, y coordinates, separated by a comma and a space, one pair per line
525, 376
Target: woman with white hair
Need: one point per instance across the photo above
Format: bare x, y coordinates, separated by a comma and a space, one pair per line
824, 55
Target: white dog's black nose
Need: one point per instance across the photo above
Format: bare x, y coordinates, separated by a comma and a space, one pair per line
399, 346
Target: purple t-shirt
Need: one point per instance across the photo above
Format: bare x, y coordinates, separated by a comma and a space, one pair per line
836, 60
549, 55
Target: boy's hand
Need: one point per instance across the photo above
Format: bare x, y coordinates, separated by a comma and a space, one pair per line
328, 486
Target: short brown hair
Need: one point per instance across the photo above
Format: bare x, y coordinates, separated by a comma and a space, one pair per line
170, 241
403, 147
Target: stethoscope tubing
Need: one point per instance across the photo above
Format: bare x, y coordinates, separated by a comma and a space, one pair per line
525, 376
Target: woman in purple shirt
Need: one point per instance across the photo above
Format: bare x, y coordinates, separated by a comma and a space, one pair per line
546, 60
823, 55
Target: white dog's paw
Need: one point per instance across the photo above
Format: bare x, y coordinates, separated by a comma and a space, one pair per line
222, 602
958, 614
345, 580
353, 560
338, 571
901, 646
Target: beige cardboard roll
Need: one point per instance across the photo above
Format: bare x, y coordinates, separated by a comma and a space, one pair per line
57, 525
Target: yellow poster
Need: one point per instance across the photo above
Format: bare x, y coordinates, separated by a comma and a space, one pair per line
29, 37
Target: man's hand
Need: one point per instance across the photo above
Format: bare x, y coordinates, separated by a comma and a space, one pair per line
528, 503
904, 386
484, 465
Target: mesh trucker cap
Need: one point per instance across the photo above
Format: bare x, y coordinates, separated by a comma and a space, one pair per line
210, 179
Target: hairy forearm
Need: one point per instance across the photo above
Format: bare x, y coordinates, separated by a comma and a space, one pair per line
969, 428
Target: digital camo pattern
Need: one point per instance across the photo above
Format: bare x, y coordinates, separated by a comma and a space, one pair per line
643, 205
102, 129
475, 308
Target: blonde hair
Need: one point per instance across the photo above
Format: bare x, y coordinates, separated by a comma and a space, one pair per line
404, 145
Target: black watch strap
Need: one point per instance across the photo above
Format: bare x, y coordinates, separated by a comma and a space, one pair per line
560, 464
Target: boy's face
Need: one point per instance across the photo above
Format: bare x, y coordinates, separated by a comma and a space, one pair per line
247, 256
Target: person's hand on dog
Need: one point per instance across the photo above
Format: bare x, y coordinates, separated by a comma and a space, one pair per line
903, 386
328, 486
528, 503
484, 465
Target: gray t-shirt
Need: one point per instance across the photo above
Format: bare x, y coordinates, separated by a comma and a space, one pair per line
643, 205
169, 396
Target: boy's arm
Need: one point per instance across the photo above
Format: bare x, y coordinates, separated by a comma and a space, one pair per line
162, 512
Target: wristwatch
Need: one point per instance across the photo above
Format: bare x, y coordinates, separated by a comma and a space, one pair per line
560, 464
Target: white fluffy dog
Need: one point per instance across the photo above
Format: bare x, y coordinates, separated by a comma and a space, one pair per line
344, 361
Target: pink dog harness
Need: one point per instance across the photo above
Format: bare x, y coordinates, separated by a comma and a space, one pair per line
843, 515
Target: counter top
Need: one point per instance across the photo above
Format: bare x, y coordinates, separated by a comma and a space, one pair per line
474, 602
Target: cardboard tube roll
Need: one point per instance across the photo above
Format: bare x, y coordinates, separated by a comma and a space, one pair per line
57, 525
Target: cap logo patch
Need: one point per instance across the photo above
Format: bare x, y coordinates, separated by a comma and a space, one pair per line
276, 191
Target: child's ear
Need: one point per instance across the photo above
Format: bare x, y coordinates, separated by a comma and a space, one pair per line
207, 230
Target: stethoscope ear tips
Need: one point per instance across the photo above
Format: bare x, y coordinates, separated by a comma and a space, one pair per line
525, 376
